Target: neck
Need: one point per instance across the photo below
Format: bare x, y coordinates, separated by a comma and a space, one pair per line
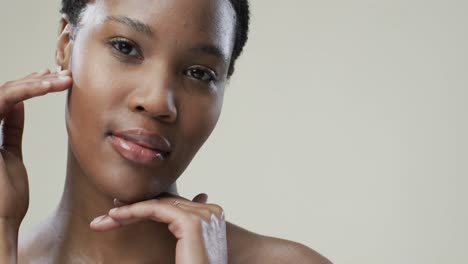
80, 204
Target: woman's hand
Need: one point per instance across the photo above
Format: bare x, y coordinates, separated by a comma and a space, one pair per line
200, 228
14, 191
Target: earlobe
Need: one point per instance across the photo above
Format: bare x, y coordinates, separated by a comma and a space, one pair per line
64, 43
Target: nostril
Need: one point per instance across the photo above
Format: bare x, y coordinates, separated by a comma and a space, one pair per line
159, 112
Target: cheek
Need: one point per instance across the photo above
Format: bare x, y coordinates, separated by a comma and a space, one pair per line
94, 76
89, 109
97, 87
87, 97
198, 119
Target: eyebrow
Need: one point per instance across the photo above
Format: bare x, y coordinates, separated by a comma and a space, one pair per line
133, 23
209, 50
146, 29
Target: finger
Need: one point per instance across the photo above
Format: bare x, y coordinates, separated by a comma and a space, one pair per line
201, 198
47, 76
107, 223
52, 79
203, 213
206, 210
17, 92
178, 220
13, 126
39, 73
64, 75
215, 209
170, 199
150, 209
43, 72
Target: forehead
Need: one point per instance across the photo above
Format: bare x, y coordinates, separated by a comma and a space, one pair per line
207, 20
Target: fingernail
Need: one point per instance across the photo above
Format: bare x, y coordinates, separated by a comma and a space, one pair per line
113, 210
98, 219
65, 77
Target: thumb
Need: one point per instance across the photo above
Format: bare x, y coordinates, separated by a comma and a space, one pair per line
201, 198
13, 126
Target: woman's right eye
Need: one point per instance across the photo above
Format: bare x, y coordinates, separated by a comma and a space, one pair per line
126, 48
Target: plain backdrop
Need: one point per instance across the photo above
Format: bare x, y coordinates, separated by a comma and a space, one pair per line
344, 128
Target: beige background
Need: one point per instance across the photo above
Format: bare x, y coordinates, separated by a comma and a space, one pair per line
345, 127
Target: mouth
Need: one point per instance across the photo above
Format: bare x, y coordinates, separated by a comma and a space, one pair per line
140, 146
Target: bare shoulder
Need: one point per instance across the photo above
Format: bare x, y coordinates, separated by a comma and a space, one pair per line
275, 250
247, 247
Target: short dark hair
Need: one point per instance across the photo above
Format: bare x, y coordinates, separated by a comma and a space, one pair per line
73, 9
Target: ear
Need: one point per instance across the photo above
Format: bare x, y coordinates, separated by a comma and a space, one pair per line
64, 43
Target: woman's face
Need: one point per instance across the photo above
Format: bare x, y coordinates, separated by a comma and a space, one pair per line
152, 72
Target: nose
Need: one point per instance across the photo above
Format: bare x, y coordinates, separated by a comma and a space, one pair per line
155, 97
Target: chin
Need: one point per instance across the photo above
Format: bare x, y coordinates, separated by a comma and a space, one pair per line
112, 176
129, 184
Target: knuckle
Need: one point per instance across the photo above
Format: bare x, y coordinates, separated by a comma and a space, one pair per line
130, 212
153, 211
206, 213
218, 210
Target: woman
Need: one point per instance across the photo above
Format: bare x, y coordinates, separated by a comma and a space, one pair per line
145, 83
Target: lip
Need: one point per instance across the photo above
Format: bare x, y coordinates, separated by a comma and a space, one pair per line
141, 146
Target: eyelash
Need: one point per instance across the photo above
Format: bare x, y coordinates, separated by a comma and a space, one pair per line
117, 42
209, 75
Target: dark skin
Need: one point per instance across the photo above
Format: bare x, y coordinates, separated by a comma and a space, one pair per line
166, 77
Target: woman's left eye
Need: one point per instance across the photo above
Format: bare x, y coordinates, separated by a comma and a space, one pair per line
201, 74
125, 47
